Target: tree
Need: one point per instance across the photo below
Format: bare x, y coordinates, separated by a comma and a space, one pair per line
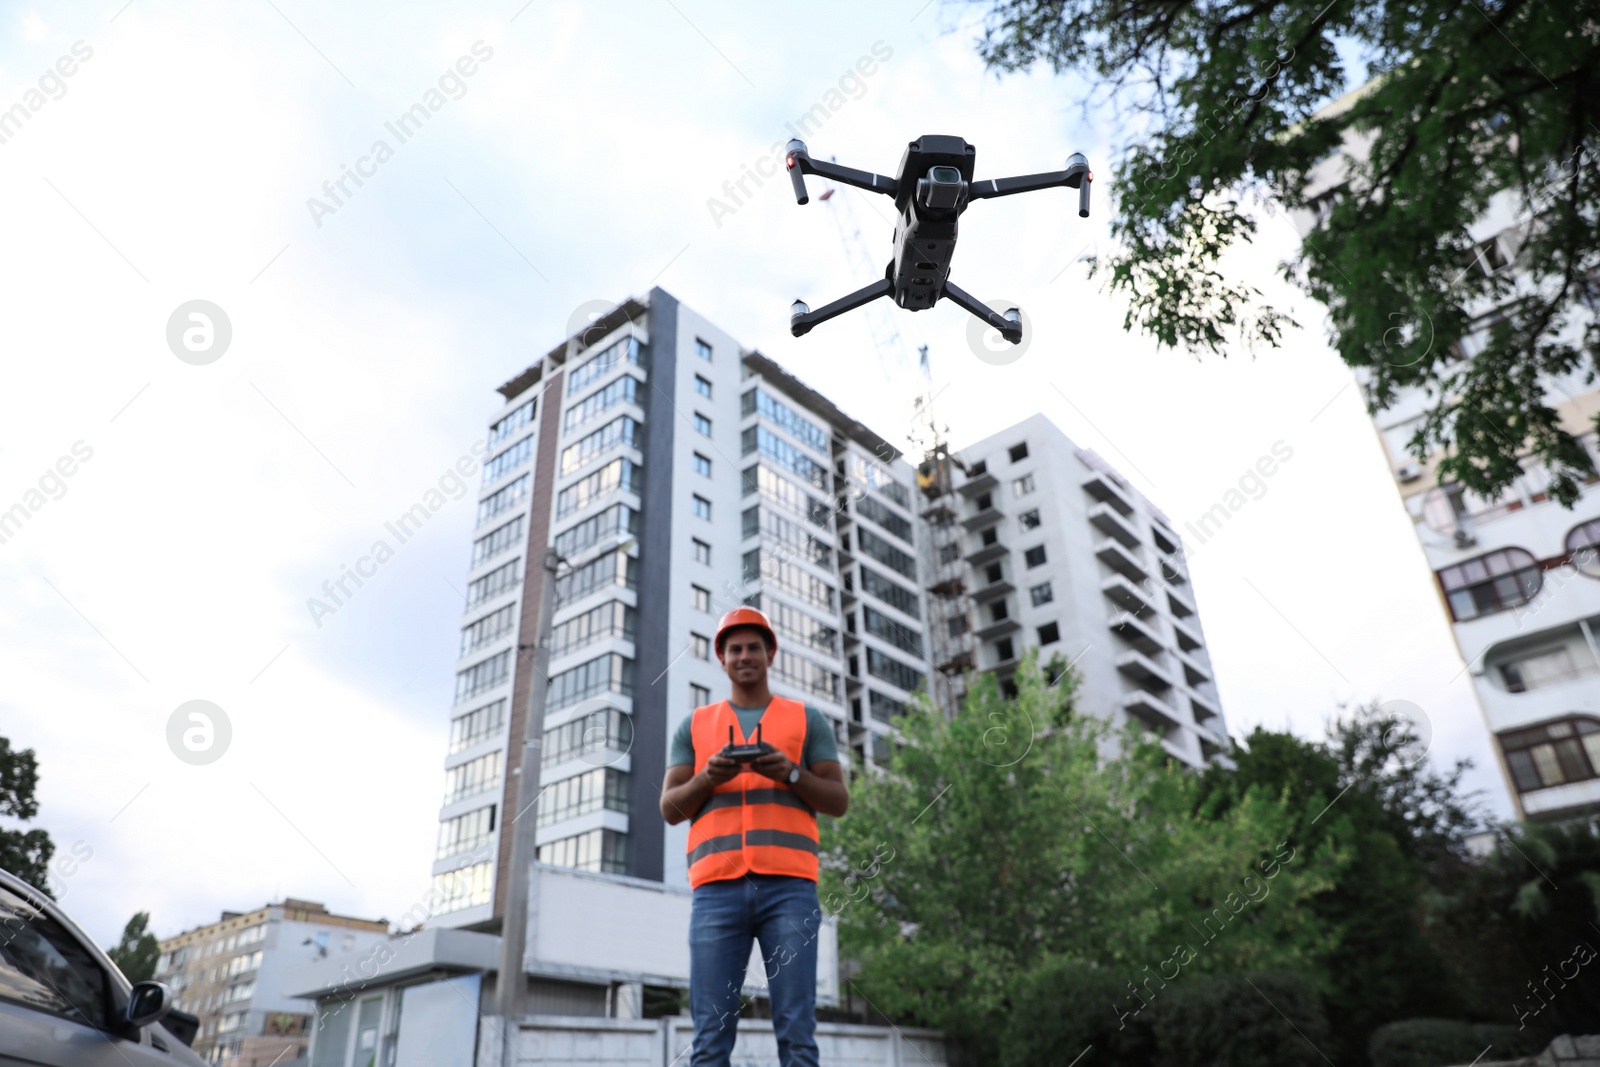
1368, 792
136, 954
1005, 845
24, 853
1465, 101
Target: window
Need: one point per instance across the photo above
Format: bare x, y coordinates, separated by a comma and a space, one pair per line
978, 469
807, 548
949, 553
897, 634
887, 554
779, 490
1583, 544
477, 725
803, 674
611, 619
892, 670
471, 778
702, 507
958, 626
46, 968
702, 425
618, 474
502, 579
1488, 256
699, 696
624, 390
700, 599
1491, 582
1022, 486
891, 593
991, 536
609, 673
605, 851
984, 501
1041, 594
1034, 557
700, 646
605, 730
620, 431
993, 573
998, 611
702, 350
869, 508
483, 675
616, 520
702, 551
502, 500
465, 832
488, 629
702, 386
1029, 519
627, 350
884, 708
465, 887
499, 540
1004, 649
611, 568
602, 788
806, 632
1049, 633
1018, 453
786, 455
779, 572
508, 461
1553, 754
785, 418
702, 465
1549, 667
513, 422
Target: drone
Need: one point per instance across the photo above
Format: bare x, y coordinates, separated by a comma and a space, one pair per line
932, 188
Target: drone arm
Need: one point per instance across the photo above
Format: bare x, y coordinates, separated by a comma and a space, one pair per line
802, 318
1010, 329
1076, 176
799, 162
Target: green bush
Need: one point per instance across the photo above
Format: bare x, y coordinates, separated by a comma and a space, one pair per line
1257, 1020
1065, 1006
1446, 1042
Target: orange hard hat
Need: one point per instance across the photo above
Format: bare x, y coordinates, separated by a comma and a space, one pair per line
745, 617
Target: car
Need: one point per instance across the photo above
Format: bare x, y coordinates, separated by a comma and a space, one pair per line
63, 1003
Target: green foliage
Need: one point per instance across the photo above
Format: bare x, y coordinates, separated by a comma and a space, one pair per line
24, 853
1003, 842
136, 954
1261, 1020
1465, 101
1443, 1042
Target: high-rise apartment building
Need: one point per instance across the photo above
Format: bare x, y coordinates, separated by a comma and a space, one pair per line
230, 974
1041, 544
678, 475
1516, 575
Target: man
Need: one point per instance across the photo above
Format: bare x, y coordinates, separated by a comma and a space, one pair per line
753, 846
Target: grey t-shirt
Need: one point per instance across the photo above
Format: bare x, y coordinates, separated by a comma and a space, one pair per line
820, 745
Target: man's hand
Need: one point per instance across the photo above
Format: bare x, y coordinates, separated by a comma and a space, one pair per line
720, 769
774, 765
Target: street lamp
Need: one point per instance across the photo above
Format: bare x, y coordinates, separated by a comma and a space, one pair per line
509, 992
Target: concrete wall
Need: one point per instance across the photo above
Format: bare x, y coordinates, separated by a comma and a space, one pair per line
556, 1041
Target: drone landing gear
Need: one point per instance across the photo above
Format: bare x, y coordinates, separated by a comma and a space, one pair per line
802, 318
1009, 324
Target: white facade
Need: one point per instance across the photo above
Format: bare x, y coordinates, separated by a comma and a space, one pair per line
1064, 556
1518, 576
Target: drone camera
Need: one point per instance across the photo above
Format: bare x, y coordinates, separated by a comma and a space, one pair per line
942, 189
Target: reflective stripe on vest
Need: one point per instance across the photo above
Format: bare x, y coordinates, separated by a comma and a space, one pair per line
751, 824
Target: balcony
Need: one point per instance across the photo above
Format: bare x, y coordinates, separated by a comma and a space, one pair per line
981, 484
1136, 632
1188, 639
1121, 560
1193, 673
982, 520
1103, 489
1125, 594
993, 591
1151, 710
1180, 604
998, 629
1107, 521
1173, 571
1143, 670
988, 553
1165, 542
1205, 709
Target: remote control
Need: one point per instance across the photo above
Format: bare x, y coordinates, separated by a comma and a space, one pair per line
746, 753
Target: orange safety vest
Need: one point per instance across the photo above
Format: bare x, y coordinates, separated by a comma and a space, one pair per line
751, 824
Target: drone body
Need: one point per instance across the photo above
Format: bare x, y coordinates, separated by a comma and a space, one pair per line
931, 189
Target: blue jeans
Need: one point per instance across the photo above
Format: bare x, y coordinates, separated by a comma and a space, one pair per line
780, 912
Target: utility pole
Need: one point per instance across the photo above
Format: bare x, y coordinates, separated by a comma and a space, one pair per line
523, 881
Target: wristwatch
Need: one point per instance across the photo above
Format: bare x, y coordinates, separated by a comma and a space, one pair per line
794, 774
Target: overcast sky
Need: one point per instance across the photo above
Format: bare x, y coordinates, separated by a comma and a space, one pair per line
177, 162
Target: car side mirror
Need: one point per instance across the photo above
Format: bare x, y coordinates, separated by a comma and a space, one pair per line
148, 1002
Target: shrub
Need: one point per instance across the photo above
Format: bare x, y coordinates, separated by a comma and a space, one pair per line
1446, 1042
1067, 1005
1256, 1020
